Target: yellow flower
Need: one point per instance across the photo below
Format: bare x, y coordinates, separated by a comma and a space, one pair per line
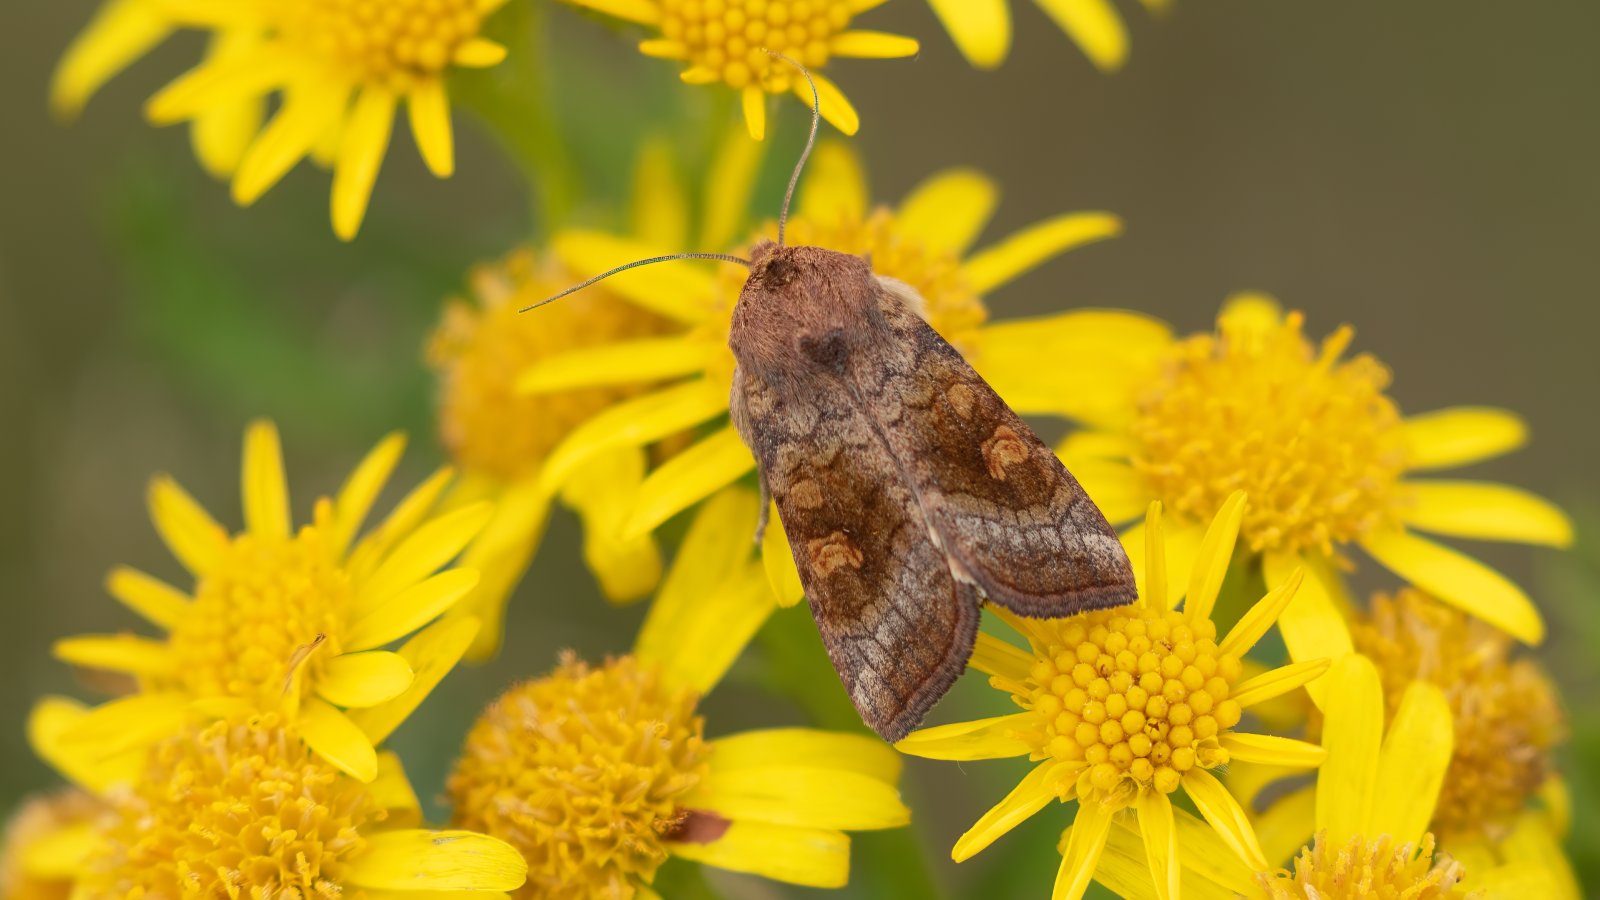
732, 42
242, 808
982, 28
340, 67
1323, 452
499, 438
278, 620
1121, 707
924, 242
44, 843
599, 774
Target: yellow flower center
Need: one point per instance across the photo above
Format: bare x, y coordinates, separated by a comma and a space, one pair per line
730, 38
259, 615
479, 351
39, 819
394, 43
581, 771
238, 808
1138, 696
1361, 868
1315, 442
1507, 716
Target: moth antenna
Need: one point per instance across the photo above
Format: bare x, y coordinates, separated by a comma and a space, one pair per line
811, 140
720, 257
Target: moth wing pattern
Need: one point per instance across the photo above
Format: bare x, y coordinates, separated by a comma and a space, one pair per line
1009, 515
896, 623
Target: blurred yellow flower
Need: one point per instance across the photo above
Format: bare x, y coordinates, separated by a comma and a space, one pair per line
43, 844
241, 808
341, 68
599, 774
982, 28
282, 621
1121, 707
732, 42
1323, 452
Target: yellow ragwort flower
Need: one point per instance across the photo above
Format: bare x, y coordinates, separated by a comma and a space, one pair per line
982, 28
341, 69
599, 774
499, 437
242, 808
286, 621
733, 42
1323, 452
1507, 717
43, 844
1121, 707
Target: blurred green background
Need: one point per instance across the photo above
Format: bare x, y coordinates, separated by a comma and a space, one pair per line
1428, 172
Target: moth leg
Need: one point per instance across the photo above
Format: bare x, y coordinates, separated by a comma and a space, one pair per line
766, 503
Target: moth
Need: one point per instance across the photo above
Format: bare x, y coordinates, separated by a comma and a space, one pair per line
909, 491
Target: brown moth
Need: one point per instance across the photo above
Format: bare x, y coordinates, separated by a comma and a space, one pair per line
910, 493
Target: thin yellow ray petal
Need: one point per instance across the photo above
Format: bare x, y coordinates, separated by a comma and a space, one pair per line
623, 362
1225, 815
1125, 868
411, 609
1216, 553
1459, 580
391, 792
857, 753
188, 530
158, 602
416, 860
361, 151
1156, 580
1461, 435
431, 654
994, 738
1486, 511
1094, 26
981, 29
835, 186
1311, 624
1260, 617
836, 107
660, 209
221, 135
266, 490
1090, 828
127, 722
1160, 842
728, 187
1080, 446
1027, 249
121, 32
813, 857
662, 48
716, 547
218, 83
949, 210
641, 12
479, 53
428, 106
633, 423
1182, 540
501, 554
1412, 764
684, 291
307, 112
993, 656
360, 680
711, 464
800, 796
701, 75
82, 763
863, 44
335, 738
695, 647
1351, 733
1272, 750
1288, 824
1276, 682
783, 576
204, 14
116, 653
420, 554
753, 100
358, 492
1037, 788
602, 491
401, 522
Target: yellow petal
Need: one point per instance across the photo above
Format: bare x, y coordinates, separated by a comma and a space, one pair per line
391, 792
1160, 842
336, 739
479, 53
158, 602
1182, 540
1461, 435
778, 559
683, 291
949, 210
642, 12
1094, 26
220, 82
431, 654
602, 491
128, 722
121, 32
993, 656
420, 554
981, 29
716, 547
835, 186
1537, 867
1211, 563
1027, 249
1080, 446
695, 647
80, 762
1115, 487
1260, 617
401, 522
1486, 511
116, 653
359, 680
818, 749
863, 44
1288, 824
56, 855
221, 135
1037, 788
1085, 842
306, 114
411, 609
1351, 734
1156, 580
706, 467
1459, 580
836, 107
814, 857
189, 532
266, 490
800, 796
1272, 750
732, 177
754, 102
1225, 815
361, 150
1412, 764
415, 860
994, 738
1278, 681
1125, 866
1085, 364
1312, 625
660, 203
633, 423
358, 492
429, 108
662, 48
